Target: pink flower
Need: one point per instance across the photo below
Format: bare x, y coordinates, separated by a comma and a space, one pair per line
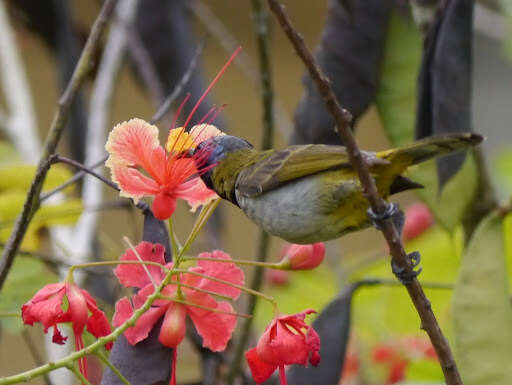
418, 219
47, 305
214, 320
287, 340
303, 257
141, 167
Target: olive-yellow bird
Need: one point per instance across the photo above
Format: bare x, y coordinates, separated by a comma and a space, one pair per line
311, 193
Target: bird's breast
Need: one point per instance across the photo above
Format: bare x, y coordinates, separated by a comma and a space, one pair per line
307, 210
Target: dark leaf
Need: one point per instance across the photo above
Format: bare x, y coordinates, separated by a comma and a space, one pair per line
350, 54
444, 100
148, 362
333, 326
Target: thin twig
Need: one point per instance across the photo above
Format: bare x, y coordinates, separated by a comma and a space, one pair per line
261, 22
162, 110
343, 119
59, 121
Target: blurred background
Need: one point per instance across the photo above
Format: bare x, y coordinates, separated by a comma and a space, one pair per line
383, 319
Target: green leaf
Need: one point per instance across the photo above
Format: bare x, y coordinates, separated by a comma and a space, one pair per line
396, 96
503, 165
457, 195
25, 278
424, 370
482, 311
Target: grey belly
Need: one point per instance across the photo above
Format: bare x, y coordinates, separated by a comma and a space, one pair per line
297, 212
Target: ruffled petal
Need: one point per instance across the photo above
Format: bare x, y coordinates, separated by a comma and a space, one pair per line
97, 324
202, 132
45, 306
221, 270
144, 324
173, 327
261, 370
215, 328
135, 275
132, 183
195, 193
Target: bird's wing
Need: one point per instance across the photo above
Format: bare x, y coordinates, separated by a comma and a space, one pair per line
291, 163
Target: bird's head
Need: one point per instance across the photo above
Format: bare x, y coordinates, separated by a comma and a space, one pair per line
216, 150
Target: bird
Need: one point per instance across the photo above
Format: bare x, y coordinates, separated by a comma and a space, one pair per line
311, 193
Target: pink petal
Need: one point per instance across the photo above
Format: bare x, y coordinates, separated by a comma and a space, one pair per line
134, 275
313, 342
261, 371
97, 324
195, 193
144, 324
215, 328
77, 308
221, 270
173, 327
164, 206
133, 183
45, 306
202, 132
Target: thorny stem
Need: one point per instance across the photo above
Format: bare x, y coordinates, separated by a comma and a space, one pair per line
343, 119
73, 369
261, 25
224, 297
59, 121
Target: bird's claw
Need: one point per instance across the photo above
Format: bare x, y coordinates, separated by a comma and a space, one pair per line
406, 275
393, 211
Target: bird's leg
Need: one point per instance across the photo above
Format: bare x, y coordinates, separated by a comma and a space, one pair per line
397, 216
392, 211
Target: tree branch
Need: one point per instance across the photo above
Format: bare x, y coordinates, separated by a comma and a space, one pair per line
60, 117
343, 119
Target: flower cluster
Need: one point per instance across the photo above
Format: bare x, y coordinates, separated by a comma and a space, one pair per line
187, 294
65, 302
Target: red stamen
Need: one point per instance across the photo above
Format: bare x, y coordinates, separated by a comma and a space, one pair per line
207, 114
173, 366
219, 110
282, 375
178, 111
221, 72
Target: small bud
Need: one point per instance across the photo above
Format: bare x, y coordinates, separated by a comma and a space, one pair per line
418, 218
303, 257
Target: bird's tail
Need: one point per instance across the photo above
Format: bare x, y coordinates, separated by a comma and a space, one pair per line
430, 147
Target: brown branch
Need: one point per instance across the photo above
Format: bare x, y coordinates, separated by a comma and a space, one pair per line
343, 119
59, 121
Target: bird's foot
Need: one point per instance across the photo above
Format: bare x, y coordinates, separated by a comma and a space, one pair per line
406, 275
392, 211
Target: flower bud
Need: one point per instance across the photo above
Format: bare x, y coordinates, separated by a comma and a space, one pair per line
418, 218
303, 257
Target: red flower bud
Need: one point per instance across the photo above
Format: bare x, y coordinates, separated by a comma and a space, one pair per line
303, 257
418, 218
277, 277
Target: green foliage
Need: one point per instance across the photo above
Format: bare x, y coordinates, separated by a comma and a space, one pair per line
482, 311
19, 176
424, 370
25, 278
457, 195
396, 96
503, 165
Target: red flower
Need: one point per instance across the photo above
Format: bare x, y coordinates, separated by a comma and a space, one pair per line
134, 146
303, 257
287, 340
47, 305
214, 326
418, 218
